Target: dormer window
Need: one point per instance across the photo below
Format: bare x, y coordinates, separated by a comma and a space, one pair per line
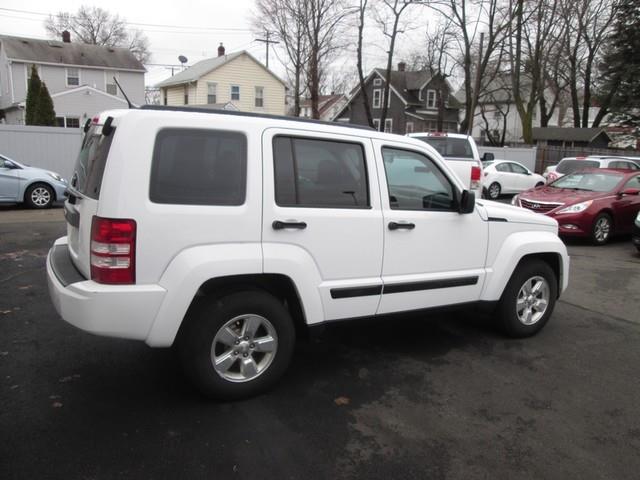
431, 99
377, 82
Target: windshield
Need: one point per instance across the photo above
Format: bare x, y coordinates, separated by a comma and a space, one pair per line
90, 164
569, 166
591, 182
449, 147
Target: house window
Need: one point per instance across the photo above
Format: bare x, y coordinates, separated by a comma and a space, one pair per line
431, 99
376, 123
111, 87
388, 125
409, 127
164, 93
73, 77
377, 96
377, 82
186, 94
68, 122
235, 92
212, 89
260, 97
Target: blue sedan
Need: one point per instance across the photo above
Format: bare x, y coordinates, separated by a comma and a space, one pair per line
37, 187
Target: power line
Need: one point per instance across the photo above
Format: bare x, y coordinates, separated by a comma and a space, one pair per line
266, 42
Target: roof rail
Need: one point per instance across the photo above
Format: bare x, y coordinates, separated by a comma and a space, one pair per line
186, 108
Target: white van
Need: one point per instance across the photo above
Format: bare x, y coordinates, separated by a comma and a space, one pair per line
225, 232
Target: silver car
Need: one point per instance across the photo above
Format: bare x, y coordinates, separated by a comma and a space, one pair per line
37, 187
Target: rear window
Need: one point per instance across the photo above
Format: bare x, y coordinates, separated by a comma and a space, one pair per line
569, 166
199, 167
450, 147
91, 162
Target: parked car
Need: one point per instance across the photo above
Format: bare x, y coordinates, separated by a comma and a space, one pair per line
461, 152
635, 232
595, 203
36, 187
506, 176
231, 230
573, 164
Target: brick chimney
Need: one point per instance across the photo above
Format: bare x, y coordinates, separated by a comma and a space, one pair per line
221, 50
402, 66
66, 36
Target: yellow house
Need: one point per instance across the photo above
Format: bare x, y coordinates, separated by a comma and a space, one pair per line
236, 81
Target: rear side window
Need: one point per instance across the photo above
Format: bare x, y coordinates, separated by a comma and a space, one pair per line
199, 167
450, 147
319, 173
91, 162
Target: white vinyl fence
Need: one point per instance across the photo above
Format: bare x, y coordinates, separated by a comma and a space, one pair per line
525, 156
53, 148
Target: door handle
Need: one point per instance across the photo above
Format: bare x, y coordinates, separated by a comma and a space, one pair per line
279, 225
401, 225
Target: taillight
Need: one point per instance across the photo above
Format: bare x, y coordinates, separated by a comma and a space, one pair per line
113, 250
476, 173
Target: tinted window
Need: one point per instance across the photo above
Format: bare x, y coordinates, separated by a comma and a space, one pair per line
569, 166
450, 147
199, 167
319, 173
91, 162
415, 182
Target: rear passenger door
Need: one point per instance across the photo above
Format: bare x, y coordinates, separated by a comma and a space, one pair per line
322, 220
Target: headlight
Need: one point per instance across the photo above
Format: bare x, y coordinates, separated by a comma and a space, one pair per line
577, 208
56, 177
514, 201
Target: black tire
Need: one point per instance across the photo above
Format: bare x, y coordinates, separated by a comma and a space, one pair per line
539, 184
507, 311
602, 229
207, 318
493, 192
39, 195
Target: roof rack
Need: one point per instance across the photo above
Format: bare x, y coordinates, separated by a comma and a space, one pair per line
251, 114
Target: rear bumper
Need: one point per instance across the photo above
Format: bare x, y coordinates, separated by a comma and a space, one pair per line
124, 311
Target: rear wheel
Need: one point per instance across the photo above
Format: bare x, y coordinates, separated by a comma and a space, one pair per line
528, 299
539, 184
238, 345
602, 229
39, 195
494, 191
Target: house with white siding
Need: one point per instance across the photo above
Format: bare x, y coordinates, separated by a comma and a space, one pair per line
229, 81
79, 77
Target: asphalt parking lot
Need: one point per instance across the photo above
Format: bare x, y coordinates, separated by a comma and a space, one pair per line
444, 396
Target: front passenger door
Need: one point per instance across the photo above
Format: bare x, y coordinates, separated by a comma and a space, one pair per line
9, 181
433, 255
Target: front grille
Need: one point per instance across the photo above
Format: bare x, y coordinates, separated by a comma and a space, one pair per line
540, 207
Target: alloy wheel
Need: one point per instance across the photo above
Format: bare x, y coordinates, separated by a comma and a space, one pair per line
40, 196
533, 299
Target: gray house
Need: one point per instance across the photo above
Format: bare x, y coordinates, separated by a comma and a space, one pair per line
413, 105
79, 77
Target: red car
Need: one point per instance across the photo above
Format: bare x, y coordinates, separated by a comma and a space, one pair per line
595, 203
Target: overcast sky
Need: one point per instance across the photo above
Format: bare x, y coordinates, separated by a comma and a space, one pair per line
193, 28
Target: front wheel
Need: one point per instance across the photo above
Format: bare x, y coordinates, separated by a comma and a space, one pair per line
39, 196
601, 230
238, 345
528, 299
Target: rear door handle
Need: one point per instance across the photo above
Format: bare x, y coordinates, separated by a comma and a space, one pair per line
401, 225
279, 225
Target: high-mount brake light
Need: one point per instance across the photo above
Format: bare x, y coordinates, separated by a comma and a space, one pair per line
113, 250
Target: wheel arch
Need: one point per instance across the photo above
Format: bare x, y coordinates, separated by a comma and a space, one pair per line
33, 183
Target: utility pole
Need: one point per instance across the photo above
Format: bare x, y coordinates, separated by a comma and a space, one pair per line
267, 41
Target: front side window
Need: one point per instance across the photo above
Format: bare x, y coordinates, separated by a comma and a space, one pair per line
199, 167
633, 183
415, 182
235, 92
259, 96
319, 173
73, 77
212, 90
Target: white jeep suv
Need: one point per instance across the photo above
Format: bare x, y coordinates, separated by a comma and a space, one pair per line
224, 232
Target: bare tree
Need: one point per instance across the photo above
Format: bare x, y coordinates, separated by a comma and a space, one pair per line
362, 9
323, 24
286, 18
96, 26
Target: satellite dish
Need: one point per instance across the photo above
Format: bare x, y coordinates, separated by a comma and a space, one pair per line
183, 59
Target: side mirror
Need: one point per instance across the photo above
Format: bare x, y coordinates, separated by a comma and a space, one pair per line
630, 191
467, 202
488, 156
